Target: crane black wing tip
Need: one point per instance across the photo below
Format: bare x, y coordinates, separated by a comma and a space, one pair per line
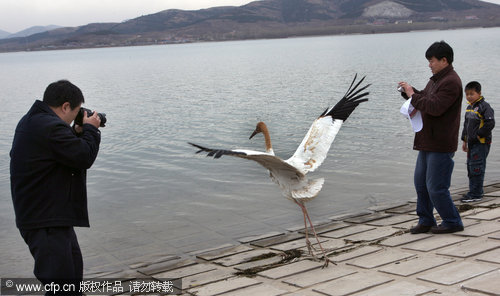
216, 153
352, 98
202, 149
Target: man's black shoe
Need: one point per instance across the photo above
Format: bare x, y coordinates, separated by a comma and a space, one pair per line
420, 229
446, 229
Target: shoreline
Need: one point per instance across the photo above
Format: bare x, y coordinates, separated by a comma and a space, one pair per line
375, 30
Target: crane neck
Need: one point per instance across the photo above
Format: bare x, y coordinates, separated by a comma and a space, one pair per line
267, 138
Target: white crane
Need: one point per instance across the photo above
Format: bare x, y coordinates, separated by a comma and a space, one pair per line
290, 174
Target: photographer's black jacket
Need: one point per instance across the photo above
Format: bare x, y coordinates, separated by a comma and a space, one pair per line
479, 121
48, 170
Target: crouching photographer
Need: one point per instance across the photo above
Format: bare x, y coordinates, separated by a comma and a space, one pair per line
48, 170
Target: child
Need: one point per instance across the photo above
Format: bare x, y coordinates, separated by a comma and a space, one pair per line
476, 137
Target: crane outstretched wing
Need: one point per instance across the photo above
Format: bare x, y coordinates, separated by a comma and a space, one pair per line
314, 147
277, 166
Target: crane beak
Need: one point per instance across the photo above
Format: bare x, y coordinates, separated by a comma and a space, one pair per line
253, 134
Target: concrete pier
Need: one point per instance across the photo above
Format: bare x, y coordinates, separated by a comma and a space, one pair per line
374, 254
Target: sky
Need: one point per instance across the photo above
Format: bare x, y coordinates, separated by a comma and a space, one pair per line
17, 15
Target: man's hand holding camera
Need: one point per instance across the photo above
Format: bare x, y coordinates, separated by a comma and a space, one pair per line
88, 116
93, 119
406, 89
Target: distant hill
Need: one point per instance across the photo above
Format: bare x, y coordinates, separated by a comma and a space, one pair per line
4, 34
268, 19
33, 30
28, 32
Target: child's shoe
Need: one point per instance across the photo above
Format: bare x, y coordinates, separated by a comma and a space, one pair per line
468, 198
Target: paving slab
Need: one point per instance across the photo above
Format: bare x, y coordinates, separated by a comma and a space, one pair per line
402, 209
220, 247
472, 212
404, 239
456, 272
491, 257
487, 284
331, 245
341, 217
151, 260
452, 291
100, 272
291, 269
355, 253
393, 220
224, 286
415, 265
223, 252
384, 207
165, 266
123, 274
326, 227
185, 271
316, 276
406, 225
381, 258
279, 239
486, 215
494, 193
259, 263
347, 231
401, 288
304, 292
242, 257
206, 277
352, 284
252, 238
296, 244
470, 248
373, 235
495, 235
480, 229
367, 218
259, 290
435, 242
492, 203
468, 223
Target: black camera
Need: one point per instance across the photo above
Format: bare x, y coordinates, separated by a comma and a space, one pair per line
79, 117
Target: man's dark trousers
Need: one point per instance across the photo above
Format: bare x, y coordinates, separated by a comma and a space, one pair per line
57, 255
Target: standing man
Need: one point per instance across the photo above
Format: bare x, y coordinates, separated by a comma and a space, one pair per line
439, 104
48, 166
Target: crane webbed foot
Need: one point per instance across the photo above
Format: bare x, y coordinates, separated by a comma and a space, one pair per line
327, 260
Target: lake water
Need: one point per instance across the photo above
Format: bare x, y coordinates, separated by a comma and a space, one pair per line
148, 191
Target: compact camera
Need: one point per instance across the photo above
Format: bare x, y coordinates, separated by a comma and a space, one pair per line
400, 88
79, 117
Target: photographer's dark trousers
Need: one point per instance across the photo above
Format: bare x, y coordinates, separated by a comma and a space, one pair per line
57, 255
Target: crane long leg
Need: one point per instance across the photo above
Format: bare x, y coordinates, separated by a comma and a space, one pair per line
310, 247
304, 210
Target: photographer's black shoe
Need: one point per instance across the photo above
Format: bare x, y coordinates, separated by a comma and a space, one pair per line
446, 229
420, 229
